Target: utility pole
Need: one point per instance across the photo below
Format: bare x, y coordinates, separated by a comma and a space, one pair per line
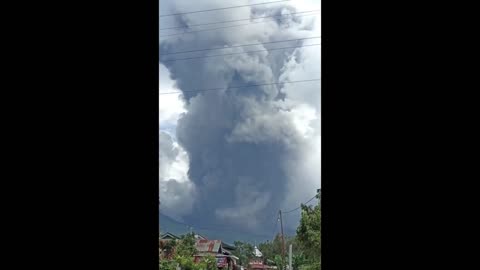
159, 232
290, 257
283, 238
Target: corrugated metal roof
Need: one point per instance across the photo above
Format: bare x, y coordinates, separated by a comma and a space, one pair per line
228, 246
204, 245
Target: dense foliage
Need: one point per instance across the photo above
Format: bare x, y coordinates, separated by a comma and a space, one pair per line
305, 256
306, 244
184, 256
244, 252
186, 246
309, 233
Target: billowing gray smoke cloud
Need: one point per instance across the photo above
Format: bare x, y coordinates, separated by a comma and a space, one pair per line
244, 145
177, 193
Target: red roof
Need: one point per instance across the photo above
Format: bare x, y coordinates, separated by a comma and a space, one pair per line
204, 245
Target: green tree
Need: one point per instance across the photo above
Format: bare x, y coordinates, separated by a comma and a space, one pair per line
267, 250
309, 234
185, 262
184, 255
210, 262
271, 248
298, 260
167, 265
306, 243
186, 246
279, 262
244, 252
170, 248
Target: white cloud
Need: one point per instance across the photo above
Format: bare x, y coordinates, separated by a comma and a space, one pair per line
171, 105
176, 189
303, 117
304, 99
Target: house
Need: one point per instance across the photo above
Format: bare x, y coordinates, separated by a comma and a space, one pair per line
218, 249
164, 245
168, 236
200, 237
211, 247
228, 248
222, 251
205, 246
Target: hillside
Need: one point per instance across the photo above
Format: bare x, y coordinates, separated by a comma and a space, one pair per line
168, 224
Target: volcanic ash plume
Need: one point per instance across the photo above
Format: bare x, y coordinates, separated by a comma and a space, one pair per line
250, 150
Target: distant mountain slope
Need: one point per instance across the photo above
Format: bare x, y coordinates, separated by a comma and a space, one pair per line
168, 224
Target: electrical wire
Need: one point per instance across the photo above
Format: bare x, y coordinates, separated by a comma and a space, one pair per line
216, 55
224, 8
236, 87
224, 27
239, 20
244, 45
300, 205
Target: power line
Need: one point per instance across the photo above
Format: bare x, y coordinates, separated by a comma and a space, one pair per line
216, 55
223, 27
292, 210
236, 87
300, 205
213, 9
239, 20
236, 46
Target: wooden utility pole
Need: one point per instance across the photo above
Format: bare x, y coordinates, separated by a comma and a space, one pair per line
283, 238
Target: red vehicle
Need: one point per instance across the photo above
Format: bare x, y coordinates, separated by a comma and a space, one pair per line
259, 265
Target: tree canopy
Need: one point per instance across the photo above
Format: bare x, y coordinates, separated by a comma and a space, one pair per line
306, 243
306, 247
244, 252
309, 233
